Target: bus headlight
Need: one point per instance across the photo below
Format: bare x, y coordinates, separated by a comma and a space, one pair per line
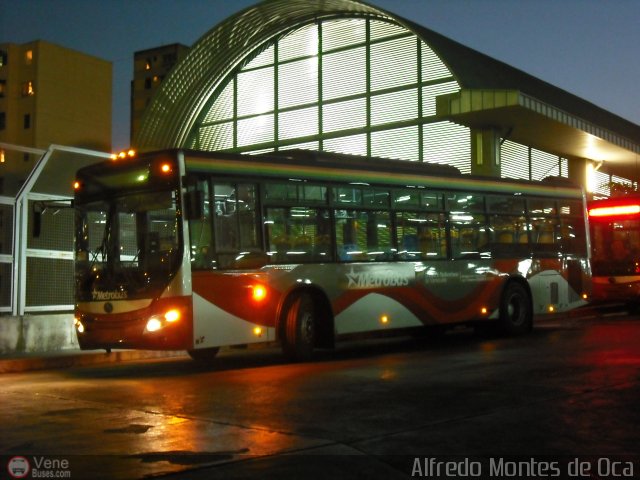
79, 325
153, 325
158, 322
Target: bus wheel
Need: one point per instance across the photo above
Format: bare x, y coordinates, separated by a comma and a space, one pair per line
516, 315
299, 328
204, 355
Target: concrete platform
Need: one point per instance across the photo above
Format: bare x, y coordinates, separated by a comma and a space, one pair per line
61, 359
48, 341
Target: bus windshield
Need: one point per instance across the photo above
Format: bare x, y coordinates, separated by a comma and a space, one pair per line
127, 245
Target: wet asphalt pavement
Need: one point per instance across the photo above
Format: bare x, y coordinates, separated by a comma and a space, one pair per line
371, 409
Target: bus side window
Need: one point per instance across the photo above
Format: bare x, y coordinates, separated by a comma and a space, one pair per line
468, 234
200, 232
235, 222
573, 236
420, 236
246, 210
298, 234
364, 236
509, 235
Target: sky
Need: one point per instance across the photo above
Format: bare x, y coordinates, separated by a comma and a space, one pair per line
586, 47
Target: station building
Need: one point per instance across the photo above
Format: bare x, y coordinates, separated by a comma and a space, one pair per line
344, 76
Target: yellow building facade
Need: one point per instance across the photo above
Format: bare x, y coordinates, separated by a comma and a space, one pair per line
50, 95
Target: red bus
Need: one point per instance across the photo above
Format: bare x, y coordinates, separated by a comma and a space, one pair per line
190, 250
615, 244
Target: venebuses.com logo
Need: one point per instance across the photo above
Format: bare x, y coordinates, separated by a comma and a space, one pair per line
18, 467
38, 467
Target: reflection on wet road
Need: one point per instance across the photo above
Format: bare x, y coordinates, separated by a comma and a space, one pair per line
569, 388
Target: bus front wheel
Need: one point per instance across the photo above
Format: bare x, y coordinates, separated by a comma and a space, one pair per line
204, 355
299, 328
516, 314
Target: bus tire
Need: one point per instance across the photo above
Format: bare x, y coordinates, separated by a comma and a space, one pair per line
516, 313
299, 328
204, 355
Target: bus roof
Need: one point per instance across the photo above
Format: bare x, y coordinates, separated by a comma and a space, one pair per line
343, 168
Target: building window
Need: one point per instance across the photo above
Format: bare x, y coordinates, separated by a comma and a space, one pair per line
147, 64
147, 83
169, 59
3, 87
27, 121
3, 58
27, 89
3, 120
28, 57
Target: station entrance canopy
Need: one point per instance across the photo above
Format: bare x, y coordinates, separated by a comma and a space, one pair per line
525, 119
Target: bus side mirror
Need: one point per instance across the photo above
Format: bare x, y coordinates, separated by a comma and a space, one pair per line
194, 204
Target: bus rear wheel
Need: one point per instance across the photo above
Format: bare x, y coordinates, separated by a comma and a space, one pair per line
204, 355
299, 328
516, 314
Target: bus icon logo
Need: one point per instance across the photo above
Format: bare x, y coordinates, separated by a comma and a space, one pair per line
18, 467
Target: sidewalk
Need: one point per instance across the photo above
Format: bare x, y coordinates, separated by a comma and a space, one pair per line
59, 359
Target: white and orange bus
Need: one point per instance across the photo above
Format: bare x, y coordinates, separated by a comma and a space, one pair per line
614, 224
190, 250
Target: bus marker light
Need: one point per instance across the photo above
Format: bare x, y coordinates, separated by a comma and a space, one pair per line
585, 296
614, 210
76, 185
551, 309
384, 319
153, 325
172, 315
258, 293
484, 310
165, 168
257, 331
